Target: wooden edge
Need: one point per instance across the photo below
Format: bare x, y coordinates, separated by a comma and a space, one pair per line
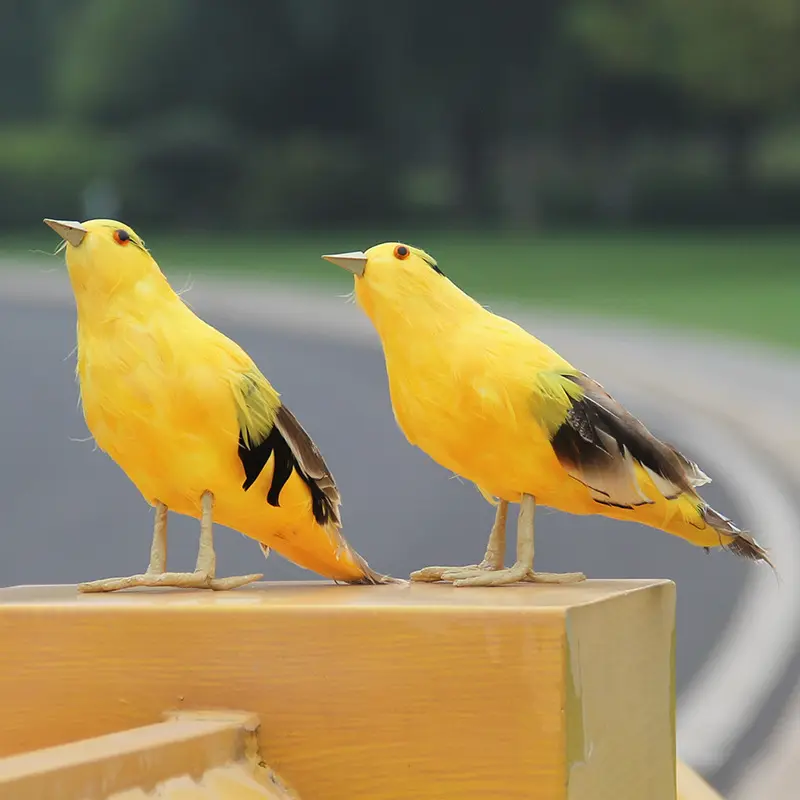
692, 787
186, 746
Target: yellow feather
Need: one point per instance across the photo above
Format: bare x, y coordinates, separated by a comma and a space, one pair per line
552, 398
256, 402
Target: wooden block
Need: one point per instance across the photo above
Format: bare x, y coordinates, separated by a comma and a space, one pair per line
207, 756
423, 691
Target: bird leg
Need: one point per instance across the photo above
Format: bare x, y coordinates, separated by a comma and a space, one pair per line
492, 560
158, 549
490, 571
523, 567
203, 576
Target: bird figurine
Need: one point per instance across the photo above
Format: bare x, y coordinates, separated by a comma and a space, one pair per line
491, 403
192, 421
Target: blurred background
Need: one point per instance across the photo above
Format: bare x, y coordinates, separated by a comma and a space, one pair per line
623, 174
194, 118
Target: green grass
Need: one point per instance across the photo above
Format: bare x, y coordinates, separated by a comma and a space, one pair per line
745, 283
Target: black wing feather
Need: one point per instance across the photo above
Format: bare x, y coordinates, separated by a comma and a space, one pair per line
285, 431
598, 441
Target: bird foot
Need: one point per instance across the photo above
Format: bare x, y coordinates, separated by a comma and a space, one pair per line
556, 577
179, 580
488, 575
452, 574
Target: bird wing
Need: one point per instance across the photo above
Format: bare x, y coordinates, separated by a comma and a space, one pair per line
600, 444
266, 426
309, 459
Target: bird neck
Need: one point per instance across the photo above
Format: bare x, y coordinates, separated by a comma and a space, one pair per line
429, 316
99, 304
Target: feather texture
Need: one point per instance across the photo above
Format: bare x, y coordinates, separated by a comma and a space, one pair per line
600, 443
256, 405
292, 450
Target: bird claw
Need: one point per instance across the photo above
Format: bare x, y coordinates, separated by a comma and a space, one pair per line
556, 577
487, 574
519, 573
451, 574
179, 580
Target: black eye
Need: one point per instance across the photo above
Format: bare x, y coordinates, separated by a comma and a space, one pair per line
401, 252
122, 236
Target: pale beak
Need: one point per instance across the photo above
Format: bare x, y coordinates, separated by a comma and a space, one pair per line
72, 232
355, 262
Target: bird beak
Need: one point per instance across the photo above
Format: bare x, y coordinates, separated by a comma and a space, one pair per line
355, 262
72, 232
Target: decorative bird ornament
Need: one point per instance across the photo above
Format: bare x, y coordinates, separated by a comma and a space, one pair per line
192, 421
491, 403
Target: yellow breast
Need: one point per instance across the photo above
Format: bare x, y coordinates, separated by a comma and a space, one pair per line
160, 409
469, 406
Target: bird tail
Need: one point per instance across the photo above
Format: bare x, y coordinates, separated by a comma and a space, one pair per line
732, 538
369, 576
332, 556
365, 575
688, 516
691, 518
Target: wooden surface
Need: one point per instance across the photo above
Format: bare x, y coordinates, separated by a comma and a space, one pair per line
202, 756
423, 691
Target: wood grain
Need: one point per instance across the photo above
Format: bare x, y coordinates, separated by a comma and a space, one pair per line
424, 691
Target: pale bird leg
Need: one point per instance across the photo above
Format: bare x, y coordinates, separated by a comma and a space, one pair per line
206, 557
201, 578
158, 549
492, 560
523, 567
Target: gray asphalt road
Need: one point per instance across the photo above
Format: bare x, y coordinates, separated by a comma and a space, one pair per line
70, 514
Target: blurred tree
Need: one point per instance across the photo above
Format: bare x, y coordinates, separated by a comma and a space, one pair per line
456, 79
28, 33
739, 60
199, 84
298, 112
602, 122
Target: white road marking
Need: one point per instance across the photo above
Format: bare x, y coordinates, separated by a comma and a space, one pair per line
773, 772
752, 654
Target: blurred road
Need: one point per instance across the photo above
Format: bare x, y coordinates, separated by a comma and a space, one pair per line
70, 514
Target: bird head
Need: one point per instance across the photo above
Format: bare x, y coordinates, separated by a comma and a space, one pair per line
395, 275
103, 254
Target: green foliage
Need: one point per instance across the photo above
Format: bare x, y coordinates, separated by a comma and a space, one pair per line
44, 171
115, 59
199, 113
185, 166
308, 176
740, 55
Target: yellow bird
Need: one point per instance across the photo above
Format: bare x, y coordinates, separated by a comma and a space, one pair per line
190, 419
493, 404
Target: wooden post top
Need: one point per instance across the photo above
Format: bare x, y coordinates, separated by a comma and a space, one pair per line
311, 595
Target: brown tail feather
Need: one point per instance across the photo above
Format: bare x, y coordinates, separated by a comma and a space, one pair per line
372, 578
737, 541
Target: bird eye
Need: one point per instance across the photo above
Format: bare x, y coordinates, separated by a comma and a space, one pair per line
401, 252
122, 236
